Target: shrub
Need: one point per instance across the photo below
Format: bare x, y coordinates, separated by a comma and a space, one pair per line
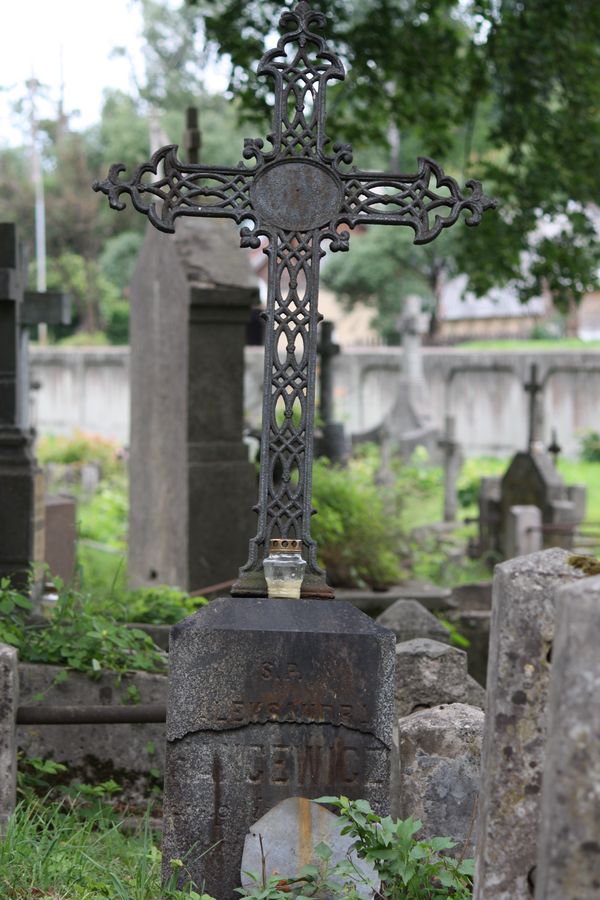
78, 448
358, 537
76, 636
590, 447
161, 605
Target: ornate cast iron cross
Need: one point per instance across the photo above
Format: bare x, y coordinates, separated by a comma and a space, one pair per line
297, 194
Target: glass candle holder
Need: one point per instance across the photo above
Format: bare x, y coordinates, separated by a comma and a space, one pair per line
284, 569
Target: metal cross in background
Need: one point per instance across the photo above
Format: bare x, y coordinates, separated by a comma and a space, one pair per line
533, 388
298, 194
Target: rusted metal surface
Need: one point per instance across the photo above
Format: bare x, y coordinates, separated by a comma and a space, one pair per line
292, 199
91, 715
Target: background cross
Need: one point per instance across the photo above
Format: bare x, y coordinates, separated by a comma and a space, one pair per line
295, 196
533, 388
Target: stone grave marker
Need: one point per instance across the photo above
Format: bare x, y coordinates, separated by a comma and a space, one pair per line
21, 482
22, 510
408, 619
440, 760
429, 673
271, 699
521, 638
409, 423
531, 479
568, 863
9, 701
192, 485
453, 459
283, 841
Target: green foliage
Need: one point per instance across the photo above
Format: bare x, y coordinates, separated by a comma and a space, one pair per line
14, 608
117, 322
408, 868
119, 257
383, 268
33, 774
76, 637
85, 339
516, 100
73, 848
160, 605
590, 447
358, 536
104, 517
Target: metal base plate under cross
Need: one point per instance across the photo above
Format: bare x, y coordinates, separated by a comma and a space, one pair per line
300, 194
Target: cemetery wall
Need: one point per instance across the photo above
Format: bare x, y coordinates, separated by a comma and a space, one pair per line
89, 388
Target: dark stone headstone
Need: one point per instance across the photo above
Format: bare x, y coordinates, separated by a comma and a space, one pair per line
270, 699
192, 485
532, 480
21, 483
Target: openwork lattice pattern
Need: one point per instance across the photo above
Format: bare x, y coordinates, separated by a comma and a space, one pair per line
302, 192
427, 202
284, 505
181, 191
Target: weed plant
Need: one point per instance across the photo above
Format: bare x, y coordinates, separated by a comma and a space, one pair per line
76, 636
72, 848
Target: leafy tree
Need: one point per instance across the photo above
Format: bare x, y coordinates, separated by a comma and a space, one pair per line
384, 267
503, 90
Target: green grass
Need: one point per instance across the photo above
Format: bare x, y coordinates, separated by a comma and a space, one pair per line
68, 850
587, 473
531, 346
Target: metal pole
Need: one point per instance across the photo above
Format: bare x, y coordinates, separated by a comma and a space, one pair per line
40, 206
92, 715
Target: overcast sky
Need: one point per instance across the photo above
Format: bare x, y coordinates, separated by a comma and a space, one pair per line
34, 31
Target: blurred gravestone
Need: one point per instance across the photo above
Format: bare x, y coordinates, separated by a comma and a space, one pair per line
192, 485
21, 482
531, 480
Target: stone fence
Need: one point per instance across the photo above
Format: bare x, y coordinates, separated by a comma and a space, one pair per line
89, 388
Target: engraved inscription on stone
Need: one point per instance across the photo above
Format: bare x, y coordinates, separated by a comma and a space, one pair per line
218, 784
296, 195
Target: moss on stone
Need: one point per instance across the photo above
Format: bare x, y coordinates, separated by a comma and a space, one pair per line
589, 565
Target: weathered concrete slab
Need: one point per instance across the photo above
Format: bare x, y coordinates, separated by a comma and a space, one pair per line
522, 632
569, 840
89, 751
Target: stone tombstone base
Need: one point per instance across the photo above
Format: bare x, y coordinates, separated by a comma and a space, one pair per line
269, 699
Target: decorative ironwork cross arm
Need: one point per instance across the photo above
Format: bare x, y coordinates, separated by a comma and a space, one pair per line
181, 190
297, 195
427, 202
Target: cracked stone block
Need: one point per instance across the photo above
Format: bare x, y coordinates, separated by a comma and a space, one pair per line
270, 699
521, 637
569, 840
429, 673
